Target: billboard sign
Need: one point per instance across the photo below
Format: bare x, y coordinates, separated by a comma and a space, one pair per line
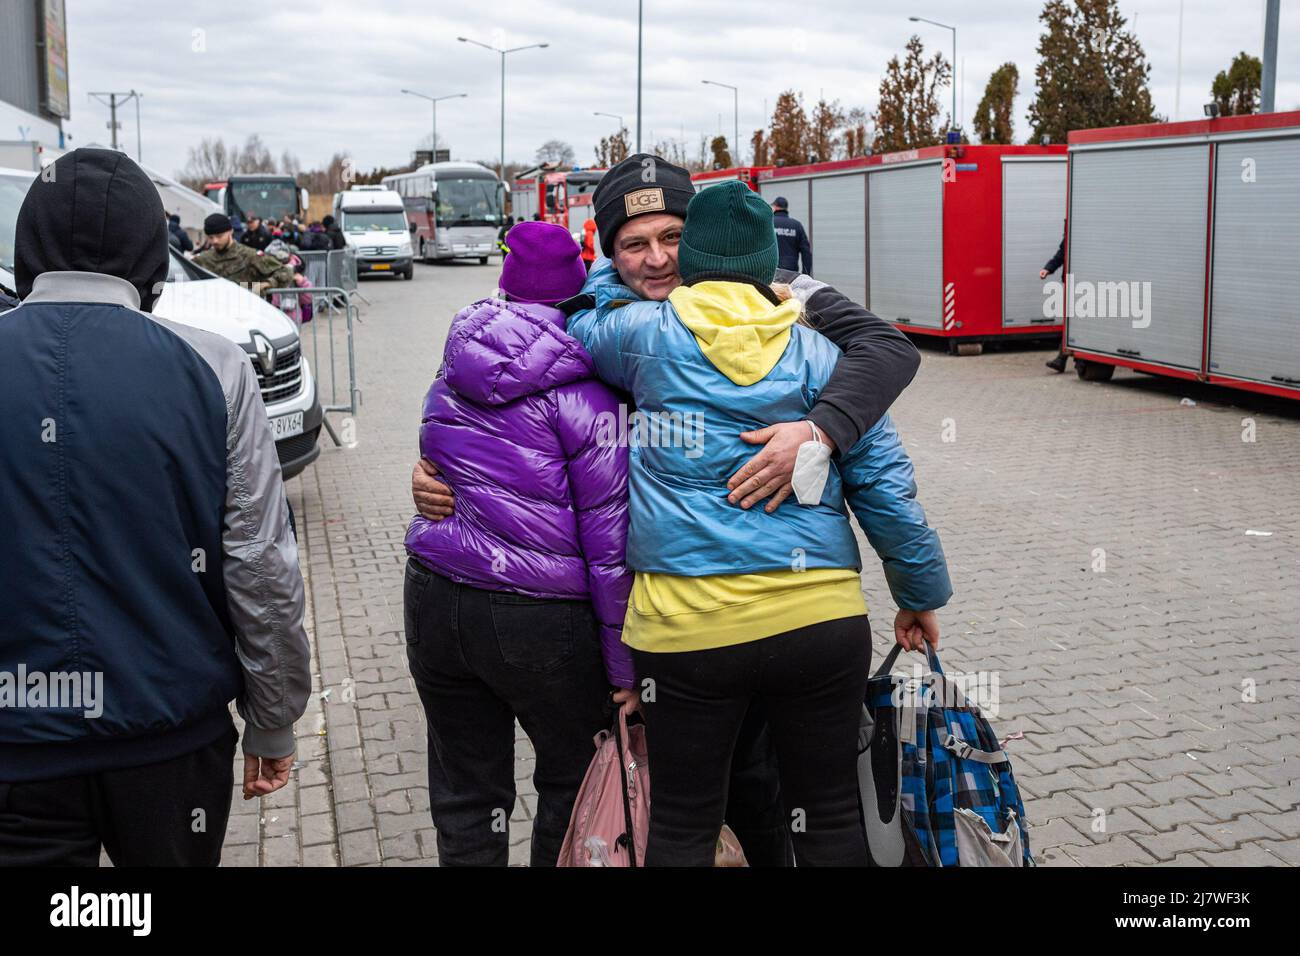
54, 74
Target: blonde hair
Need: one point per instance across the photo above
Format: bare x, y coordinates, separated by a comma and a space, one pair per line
783, 292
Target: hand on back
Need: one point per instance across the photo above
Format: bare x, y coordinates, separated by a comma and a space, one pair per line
433, 499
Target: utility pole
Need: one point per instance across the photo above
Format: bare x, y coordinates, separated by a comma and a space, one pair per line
1178, 75
113, 103
1268, 85
639, 5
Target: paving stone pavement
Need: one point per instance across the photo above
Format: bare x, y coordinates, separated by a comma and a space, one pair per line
1108, 596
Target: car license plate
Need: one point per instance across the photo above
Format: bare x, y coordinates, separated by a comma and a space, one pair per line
286, 426
381, 266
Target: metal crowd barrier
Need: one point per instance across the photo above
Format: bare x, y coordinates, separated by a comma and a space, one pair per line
328, 341
333, 268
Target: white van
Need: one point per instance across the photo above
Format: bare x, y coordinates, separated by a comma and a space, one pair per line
373, 221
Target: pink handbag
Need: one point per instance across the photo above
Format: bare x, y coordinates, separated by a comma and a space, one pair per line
611, 816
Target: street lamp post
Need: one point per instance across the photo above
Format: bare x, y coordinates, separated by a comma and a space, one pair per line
612, 116
735, 117
639, 9
955, 124
501, 169
433, 100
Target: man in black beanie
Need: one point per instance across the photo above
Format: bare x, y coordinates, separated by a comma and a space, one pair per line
640, 208
147, 574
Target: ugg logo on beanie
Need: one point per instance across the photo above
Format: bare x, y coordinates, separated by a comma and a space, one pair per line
645, 200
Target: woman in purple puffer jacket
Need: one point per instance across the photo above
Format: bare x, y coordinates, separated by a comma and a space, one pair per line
514, 605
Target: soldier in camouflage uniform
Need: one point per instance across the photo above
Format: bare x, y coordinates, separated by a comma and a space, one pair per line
239, 263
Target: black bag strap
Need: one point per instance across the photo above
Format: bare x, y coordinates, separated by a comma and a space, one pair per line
620, 726
887, 664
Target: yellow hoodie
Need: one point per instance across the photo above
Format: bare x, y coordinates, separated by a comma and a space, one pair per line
743, 335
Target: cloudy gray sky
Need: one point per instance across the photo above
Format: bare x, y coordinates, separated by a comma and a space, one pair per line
318, 77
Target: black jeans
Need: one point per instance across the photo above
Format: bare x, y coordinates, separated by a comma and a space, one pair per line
480, 659
811, 683
754, 809
143, 816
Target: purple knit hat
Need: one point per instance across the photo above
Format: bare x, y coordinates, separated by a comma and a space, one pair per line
544, 265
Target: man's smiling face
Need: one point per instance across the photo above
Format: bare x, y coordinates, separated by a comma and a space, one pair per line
645, 255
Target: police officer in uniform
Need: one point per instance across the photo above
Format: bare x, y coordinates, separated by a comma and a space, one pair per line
791, 241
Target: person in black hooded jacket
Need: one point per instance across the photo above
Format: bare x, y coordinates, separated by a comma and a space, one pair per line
147, 570
177, 235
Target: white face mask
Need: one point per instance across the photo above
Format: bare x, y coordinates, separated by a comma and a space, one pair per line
811, 469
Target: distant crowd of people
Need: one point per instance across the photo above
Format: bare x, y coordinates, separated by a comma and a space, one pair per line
260, 254
318, 235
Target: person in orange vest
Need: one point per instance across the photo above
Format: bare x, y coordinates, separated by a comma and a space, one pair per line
589, 242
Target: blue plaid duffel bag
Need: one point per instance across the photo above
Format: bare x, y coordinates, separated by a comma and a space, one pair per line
936, 787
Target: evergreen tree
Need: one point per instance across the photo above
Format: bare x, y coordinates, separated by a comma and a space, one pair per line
1091, 71
993, 122
1236, 90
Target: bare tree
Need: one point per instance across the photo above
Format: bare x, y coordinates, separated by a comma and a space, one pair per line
857, 138
210, 161
555, 151
255, 157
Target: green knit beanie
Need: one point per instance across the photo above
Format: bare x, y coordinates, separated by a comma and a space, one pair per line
728, 230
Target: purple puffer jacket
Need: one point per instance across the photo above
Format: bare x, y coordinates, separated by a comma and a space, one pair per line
541, 504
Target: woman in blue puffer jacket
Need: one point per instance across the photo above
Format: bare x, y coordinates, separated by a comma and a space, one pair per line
729, 605
515, 604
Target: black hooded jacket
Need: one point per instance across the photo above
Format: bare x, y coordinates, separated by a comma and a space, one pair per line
94, 210
147, 543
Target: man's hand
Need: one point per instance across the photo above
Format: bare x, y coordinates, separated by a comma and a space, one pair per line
432, 498
769, 472
265, 775
628, 700
1042, 273
913, 628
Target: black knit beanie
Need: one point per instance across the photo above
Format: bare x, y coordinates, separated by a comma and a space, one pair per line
638, 185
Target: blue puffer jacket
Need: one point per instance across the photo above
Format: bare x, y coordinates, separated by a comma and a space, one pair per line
690, 416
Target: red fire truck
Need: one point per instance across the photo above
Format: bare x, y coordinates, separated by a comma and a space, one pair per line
1181, 254
564, 196
945, 241
745, 174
